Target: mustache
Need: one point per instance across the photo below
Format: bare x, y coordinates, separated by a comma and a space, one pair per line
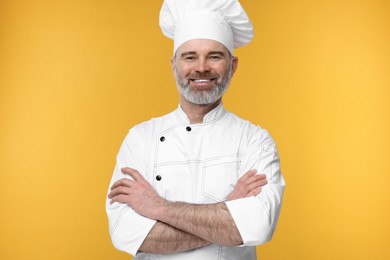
206, 75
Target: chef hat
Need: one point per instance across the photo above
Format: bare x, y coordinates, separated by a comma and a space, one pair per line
224, 21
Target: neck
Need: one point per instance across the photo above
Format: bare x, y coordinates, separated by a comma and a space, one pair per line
196, 113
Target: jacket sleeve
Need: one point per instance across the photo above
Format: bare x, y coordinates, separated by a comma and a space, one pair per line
256, 217
127, 228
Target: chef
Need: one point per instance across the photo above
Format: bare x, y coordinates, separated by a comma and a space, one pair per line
199, 182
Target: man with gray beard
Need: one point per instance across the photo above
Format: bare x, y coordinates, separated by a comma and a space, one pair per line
203, 97
199, 182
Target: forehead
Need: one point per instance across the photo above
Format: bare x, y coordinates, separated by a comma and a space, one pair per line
202, 46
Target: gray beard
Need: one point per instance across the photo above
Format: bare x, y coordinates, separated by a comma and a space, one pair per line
203, 97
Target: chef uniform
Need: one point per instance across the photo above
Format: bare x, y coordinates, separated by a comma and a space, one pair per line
200, 164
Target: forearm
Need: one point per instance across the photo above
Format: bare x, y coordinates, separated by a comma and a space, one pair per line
211, 222
165, 239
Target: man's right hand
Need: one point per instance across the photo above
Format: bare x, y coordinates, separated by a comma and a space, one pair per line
248, 185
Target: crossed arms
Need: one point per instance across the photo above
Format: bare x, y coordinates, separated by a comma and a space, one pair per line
183, 226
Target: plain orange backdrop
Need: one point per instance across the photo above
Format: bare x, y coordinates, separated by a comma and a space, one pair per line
75, 75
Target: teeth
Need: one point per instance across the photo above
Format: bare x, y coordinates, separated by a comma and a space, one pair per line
201, 80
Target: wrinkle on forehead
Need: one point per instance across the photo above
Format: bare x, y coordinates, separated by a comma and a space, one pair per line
202, 46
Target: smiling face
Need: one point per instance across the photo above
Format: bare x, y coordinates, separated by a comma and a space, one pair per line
203, 70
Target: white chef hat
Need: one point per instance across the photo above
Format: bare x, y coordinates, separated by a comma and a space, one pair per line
224, 21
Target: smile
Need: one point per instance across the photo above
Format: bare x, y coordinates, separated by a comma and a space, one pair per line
202, 80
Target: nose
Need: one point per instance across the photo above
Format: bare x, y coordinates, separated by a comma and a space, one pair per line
202, 66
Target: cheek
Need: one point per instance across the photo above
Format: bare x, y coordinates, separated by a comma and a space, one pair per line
221, 69
221, 72
181, 70
185, 70
181, 74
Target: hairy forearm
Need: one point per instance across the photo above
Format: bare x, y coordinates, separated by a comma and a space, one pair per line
165, 239
211, 222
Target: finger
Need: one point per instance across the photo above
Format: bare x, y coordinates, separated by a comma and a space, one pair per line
119, 190
127, 170
255, 185
257, 178
121, 182
120, 199
251, 179
132, 173
248, 175
255, 192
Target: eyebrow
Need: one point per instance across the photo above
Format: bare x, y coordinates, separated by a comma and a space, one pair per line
187, 53
217, 52
210, 53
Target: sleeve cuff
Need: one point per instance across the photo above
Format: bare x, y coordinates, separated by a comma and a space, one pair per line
127, 236
251, 220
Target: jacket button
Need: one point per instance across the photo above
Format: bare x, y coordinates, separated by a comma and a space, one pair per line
162, 138
158, 177
188, 129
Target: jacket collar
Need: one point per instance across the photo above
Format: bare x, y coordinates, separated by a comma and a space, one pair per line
212, 116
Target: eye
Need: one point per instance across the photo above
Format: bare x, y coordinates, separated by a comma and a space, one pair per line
215, 57
189, 58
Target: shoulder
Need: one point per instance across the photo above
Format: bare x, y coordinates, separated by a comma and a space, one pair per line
254, 134
150, 127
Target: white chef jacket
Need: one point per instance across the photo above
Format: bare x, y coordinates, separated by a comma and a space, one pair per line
200, 163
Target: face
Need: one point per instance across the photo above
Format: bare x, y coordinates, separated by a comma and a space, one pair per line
203, 70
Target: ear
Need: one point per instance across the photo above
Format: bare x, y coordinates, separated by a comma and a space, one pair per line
234, 64
172, 60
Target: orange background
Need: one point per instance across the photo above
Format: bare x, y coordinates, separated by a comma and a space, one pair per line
76, 75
